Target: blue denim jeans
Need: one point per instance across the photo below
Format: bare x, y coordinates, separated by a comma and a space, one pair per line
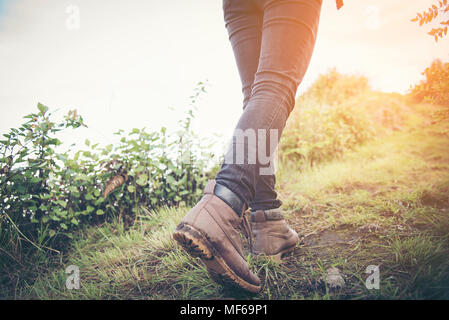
273, 41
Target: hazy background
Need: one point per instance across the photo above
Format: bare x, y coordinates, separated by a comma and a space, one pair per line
123, 64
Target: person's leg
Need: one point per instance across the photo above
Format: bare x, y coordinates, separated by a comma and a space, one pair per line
265, 197
288, 37
211, 230
244, 26
243, 21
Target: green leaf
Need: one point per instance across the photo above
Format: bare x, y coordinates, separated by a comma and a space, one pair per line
82, 177
131, 188
53, 141
171, 180
62, 203
100, 212
64, 226
42, 108
21, 189
35, 179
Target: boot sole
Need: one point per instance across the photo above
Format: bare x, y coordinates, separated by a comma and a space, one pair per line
195, 244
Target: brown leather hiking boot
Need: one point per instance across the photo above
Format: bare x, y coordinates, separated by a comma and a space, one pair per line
210, 231
272, 235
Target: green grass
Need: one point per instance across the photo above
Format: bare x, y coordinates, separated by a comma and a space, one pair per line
386, 203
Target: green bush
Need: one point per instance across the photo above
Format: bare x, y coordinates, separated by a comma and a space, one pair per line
336, 114
334, 88
322, 133
46, 194
434, 89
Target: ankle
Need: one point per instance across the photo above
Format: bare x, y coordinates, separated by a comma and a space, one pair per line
230, 198
267, 215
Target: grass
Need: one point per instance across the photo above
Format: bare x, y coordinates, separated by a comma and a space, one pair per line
385, 203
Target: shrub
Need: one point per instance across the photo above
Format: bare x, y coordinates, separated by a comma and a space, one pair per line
434, 89
336, 114
46, 194
323, 132
333, 88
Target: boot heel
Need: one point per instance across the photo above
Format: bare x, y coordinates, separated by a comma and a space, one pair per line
198, 246
193, 242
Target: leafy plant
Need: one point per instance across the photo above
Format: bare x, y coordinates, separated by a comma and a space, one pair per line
431, 14
324, 125
46, 195
434, 89
333, 88
28, 194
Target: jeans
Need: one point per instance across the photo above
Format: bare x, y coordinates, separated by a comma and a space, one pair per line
273, 41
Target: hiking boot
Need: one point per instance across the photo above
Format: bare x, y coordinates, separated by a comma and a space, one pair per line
210, 231
272, 235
